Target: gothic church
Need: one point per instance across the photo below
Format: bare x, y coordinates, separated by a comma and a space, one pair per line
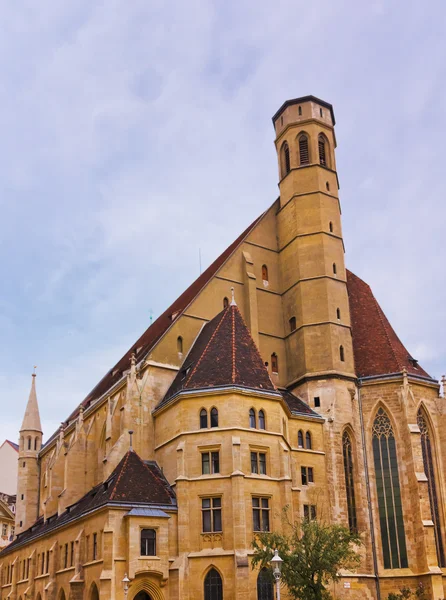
275, 379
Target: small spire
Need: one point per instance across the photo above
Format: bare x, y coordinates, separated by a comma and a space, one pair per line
31, 419
131, 440
233, 302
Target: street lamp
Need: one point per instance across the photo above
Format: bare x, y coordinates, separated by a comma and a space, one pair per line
276, 563
125, 585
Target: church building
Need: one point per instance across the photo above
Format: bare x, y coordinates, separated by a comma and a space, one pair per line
274, 380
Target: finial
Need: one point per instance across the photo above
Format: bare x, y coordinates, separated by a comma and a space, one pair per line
233, 303
131, 440
34, 372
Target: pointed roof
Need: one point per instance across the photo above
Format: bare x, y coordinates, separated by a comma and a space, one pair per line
224, 354
133, 482
377, 348
31, 420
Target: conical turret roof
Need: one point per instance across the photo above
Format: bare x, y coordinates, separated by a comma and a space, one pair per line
31, 420
224, 354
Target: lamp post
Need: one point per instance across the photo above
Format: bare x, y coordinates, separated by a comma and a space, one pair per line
125, 585
276, 563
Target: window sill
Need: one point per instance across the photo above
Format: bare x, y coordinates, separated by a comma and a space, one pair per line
41, 576
149, 558
65, 570
92, 562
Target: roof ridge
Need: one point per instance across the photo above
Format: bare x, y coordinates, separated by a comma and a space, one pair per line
120, 475
225, 312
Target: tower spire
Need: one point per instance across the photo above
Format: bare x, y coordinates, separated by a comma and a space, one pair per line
31, 419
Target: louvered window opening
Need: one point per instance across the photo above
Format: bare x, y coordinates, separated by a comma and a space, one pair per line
304, 155
349, 482
322, 152
429, 470
388, 490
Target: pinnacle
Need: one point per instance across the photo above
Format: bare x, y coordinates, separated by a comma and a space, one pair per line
31, 420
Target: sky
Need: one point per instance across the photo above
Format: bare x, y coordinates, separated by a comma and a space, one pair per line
136, 134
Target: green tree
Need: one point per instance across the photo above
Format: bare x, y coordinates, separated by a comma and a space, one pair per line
313, 552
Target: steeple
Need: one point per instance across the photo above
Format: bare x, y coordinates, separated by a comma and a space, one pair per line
28, 472
31, 419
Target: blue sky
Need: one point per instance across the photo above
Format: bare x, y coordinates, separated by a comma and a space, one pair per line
134, 133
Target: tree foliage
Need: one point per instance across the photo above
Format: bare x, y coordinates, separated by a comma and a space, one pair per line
313, 554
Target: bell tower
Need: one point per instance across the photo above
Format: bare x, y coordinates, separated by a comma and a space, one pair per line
315, 300
28, 471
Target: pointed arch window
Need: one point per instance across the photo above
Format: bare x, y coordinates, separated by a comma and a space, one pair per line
180, 344
347, 451
213, 586
261, 419
214, 417
300, 438
203, 418
252, 418
265, 273
429, 469
225, 302
393, 537
322, 144
308, 440
286, 165
29, 443
304, 154
265, 588
292, 322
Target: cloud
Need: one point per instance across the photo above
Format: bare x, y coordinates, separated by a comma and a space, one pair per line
135, 134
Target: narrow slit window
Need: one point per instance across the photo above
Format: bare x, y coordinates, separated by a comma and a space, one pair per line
285, 159
334, 269
265, 273
330, 226
225, 302
327, 186
338, 314
341, 353
180, 344
300, 438
274, 363
261, 419
252, 418
292, 324
300, 111
347, 451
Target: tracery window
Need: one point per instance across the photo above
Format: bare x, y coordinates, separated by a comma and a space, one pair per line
429, 469
265, 588
388, 490
347, 451
213, 586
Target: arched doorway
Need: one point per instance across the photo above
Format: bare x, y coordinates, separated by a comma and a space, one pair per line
94, 594
142, 596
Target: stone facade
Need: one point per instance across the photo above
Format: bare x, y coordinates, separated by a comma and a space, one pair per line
332, 362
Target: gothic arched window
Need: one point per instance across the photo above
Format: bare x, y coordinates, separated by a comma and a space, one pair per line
274, 363
308, 440
265, 588
252, 418
264, 273
347, 451
300, 438
203, 418
322, 144
225, 302
213, 586
388, 490
304, 154
429, 469
214, 417
261, 419
286, 166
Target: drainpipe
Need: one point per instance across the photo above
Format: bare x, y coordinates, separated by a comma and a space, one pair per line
369, 499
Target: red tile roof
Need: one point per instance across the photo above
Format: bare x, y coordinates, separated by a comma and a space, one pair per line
149, 338
133, 482
224, 354
377, 348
